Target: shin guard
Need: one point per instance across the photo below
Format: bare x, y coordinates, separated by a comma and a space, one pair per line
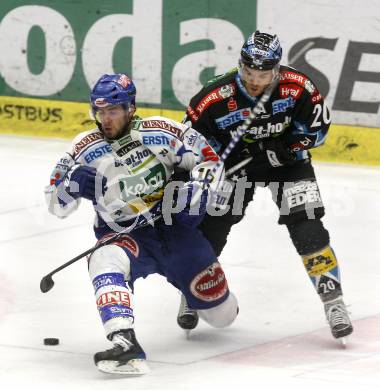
323, 270
114, 301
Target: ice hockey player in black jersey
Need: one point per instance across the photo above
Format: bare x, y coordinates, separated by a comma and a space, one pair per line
293, 120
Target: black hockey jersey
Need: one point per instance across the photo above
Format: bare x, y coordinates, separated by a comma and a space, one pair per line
295, 111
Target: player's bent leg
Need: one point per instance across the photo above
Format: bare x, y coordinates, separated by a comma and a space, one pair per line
208, 294
109, 268
221, 315
199, 276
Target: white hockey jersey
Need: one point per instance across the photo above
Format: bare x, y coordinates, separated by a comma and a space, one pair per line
137, 166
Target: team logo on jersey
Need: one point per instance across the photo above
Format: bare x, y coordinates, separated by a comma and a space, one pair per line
209, 154
216, 95
127, 148
191, 139
164, 126
232, 118
126, 140
133, 160
304, 143
210, 284
298, 80
301, 194
226, 91
155, 140
258, 132
97, 153
316, 98
232, 105
87, 140
309, 86
145, 183
282, 105
108, 279
124, 241
114, 298
294, 91
294, 77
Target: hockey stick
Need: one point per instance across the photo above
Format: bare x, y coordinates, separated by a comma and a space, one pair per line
47, 282
239, 165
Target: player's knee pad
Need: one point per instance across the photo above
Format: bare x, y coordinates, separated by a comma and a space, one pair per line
308, 235
109, 259
222, 315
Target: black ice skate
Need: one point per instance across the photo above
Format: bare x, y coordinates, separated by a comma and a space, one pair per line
126, 357
338, 319
187, 318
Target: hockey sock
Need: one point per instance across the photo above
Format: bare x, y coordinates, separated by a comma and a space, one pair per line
114, 301
323, 270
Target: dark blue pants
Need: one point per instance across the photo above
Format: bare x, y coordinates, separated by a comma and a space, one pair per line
183, 256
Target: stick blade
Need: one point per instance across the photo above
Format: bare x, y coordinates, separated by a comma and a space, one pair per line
46, 283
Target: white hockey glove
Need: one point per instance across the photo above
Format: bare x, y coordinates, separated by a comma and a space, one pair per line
63, 166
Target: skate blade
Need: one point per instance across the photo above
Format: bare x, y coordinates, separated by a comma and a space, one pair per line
343, 342
135, 367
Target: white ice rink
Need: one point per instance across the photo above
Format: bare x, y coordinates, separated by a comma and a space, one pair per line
280, 339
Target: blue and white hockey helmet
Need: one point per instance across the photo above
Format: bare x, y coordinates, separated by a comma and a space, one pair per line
261, 51
112, 90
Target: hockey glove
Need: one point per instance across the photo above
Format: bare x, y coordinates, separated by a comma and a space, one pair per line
80, 183
277, 152
194, 197
60, 170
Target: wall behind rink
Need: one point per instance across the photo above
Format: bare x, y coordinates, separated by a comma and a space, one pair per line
53, 52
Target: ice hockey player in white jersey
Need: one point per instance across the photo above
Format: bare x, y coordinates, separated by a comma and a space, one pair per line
124, 167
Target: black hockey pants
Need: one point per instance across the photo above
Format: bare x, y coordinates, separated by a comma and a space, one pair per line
295, 191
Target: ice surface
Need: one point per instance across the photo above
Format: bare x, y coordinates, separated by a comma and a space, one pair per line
279, 340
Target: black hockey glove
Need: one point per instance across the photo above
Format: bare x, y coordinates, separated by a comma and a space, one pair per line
277, 152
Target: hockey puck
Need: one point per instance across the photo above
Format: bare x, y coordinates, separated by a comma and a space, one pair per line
51, 341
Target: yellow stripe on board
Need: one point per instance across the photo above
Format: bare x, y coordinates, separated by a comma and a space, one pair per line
55, 118
59, 119
350, 144
44, 118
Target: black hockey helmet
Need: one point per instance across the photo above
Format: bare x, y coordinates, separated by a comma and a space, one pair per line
261, 51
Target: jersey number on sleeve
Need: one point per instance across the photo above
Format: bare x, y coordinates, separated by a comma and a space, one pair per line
321, 111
